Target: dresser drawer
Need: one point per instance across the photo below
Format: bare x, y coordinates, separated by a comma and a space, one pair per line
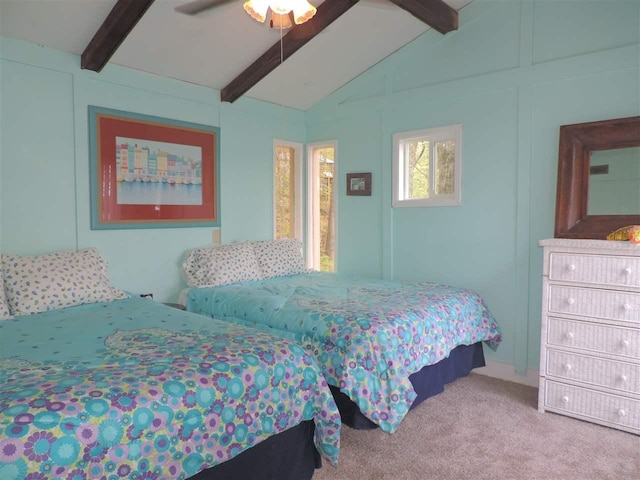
598, 407
594, 337
596, 303
602, 372
595, 269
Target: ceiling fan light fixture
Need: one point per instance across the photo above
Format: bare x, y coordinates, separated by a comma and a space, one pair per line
282, 6
302, 10
257, 9
280, 22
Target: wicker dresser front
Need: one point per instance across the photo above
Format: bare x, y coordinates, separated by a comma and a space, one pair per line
590, 335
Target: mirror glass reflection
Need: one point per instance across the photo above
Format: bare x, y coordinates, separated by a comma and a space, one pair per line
614, 182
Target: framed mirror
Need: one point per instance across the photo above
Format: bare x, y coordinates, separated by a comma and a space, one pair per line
581, 142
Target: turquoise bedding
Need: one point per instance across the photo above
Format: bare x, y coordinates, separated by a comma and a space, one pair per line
134, 389
366, 335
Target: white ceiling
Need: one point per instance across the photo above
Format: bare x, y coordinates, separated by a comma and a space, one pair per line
212, 48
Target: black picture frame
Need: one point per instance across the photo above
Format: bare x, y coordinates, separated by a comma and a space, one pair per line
359, 184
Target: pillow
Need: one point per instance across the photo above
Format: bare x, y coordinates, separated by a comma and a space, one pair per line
278, 258
58, 280
221, 265
4, 308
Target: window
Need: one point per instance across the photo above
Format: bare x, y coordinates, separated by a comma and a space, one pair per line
321, 202
426, 167
287, 173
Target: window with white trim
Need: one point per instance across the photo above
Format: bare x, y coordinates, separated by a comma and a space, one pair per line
427, 167
287, 198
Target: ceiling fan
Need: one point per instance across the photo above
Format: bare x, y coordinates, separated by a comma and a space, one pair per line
126, 13
284, 13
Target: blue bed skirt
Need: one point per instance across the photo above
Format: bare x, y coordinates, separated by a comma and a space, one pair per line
427, 382
289, 455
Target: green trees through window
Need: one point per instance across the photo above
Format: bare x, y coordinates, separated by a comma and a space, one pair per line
426, 168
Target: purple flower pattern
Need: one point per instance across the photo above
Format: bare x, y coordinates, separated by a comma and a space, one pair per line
366, 335
175, 388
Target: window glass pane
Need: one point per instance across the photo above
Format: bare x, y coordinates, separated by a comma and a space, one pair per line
326, 157
285, 192
418, 170
445, 167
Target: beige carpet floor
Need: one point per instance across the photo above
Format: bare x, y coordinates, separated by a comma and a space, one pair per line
485, 428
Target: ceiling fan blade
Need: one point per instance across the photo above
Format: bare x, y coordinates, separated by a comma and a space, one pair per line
197, 6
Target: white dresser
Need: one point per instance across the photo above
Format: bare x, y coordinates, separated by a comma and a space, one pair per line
590, 336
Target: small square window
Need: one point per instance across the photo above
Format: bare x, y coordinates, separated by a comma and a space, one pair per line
427, 167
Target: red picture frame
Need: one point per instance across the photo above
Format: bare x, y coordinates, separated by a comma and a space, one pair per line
150, 172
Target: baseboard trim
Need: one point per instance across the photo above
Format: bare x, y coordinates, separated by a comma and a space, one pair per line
505, 371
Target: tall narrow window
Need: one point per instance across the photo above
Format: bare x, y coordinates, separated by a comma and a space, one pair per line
321, 221
426, 167
287, 189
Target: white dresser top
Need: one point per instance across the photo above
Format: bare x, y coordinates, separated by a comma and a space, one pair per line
593, 246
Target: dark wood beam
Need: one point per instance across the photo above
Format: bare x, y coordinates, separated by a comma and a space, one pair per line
435, 13
299, 35
120, 21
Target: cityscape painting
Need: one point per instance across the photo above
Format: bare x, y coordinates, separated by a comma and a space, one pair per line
149, 172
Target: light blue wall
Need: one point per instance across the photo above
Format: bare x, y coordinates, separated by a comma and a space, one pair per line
44, 163
512, 74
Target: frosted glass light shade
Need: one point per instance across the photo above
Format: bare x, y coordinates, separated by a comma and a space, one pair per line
302, 9
257, 9
280, 21
282, 6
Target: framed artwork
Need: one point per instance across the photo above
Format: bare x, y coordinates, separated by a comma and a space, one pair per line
151, 172
359, 184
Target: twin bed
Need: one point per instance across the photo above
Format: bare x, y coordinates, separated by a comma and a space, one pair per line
382, 346
98, 384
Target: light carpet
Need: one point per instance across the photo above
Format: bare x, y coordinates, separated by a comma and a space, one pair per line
485, 428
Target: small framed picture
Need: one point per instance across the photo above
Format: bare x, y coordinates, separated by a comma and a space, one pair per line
359, 184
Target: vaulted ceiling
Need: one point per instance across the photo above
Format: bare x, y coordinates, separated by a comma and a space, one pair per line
225, 49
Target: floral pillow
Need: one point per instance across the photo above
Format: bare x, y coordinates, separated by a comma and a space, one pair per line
4, 308
221, 265
278, 258
62, 279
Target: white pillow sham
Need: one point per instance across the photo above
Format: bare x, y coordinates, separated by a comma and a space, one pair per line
36, 284
220, 265
4, 307
279, 258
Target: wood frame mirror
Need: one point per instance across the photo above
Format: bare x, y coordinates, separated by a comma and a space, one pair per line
577, 142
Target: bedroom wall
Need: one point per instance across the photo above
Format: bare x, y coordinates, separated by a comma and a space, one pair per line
512, 74
44, 162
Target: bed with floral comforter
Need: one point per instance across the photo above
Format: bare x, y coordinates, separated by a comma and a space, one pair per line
367, 335
134, 389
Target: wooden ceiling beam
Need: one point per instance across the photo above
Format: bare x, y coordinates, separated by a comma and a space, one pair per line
299, 35
435, 13
118, 24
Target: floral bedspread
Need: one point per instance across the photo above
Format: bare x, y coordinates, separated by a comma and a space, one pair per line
133, 389
367, 335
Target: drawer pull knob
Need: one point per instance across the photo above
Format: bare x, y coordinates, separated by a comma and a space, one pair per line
569, 335
622, 378
571, 301
626, 306
571, 267
621, 412
567, 366
624, 343
627, 271
565, 399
